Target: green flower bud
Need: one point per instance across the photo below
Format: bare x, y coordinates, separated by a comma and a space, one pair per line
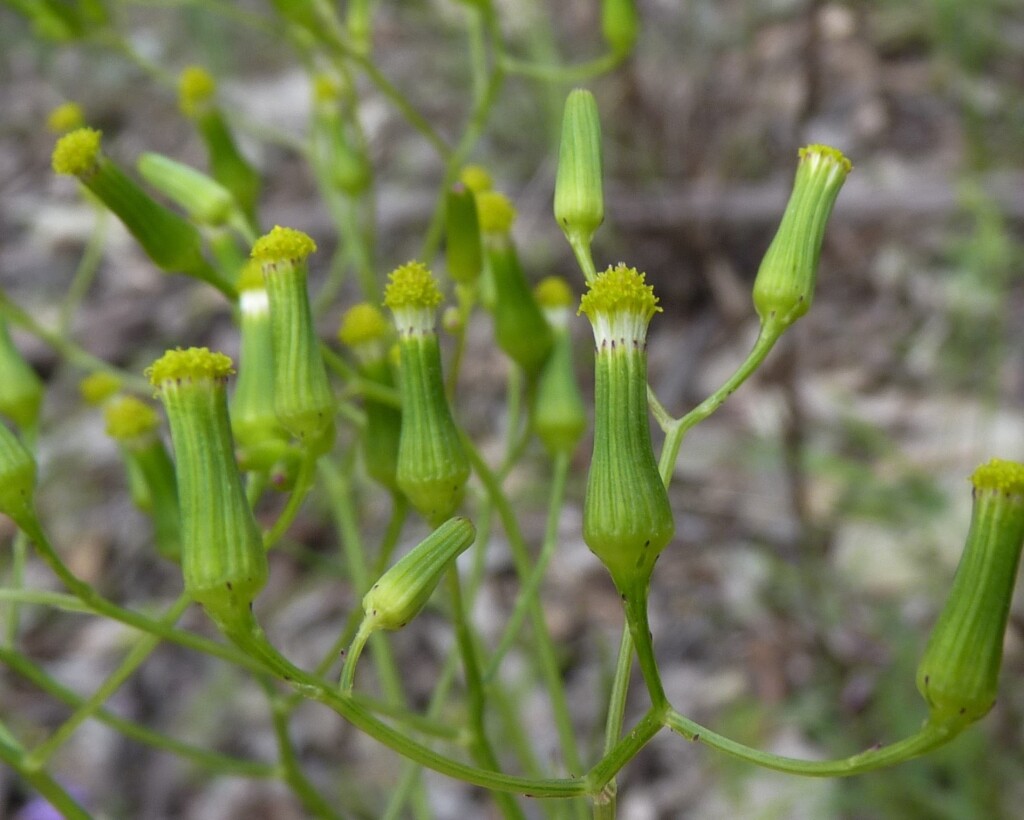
495, 213
784, 286
365, 330
197, 100
403, 591
432, 464
261, 440
99, 386
959, 673
205, 200
170, 241
17, 478
222, 556
620, 25
627, 519
21, 391
579, 199
302, 393
65, 117
519, 326
560, 417
463, 252
134, 424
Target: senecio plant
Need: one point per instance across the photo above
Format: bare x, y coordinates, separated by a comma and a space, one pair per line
296, 413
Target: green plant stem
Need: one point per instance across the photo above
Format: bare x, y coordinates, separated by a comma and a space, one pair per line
19, 553
99, 605
42, 753
677, 429
292, 773
203, 759
604, 804
248, 637
635, 604
86, 271
545, 648
303, 484
12, 754
531, 587
358, 384
625, 750
355, 556
584, 258
480, 747
75, 355
929, 737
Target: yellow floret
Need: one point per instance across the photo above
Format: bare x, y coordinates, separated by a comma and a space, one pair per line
97, 387
476, 178
495, 212
194, 364
412, 285
826, 153
999, 475
283, 245
65, 117
553, 292
619, 290
77, 152
128, 418
251, 277
196, 87
362, 323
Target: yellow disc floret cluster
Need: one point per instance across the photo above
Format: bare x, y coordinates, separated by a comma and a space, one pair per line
826, 153
77, 152
362, 323
412, 285
619, 290
97, 387
193, 364
553, 292
1005, 477
129, 418
196, 87
476, 178
65, 117
283, 245
495, 212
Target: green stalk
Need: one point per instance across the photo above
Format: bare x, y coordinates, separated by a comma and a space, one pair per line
12, 754
203, 759
929, 737
41, 754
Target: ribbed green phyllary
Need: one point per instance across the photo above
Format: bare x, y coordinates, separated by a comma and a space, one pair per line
959, 673
17, 478
302, 393
197, 92
366, 332
560, 416
133, 424
519, 326
627, 519
21, 391
222, 556
784, 286
204, 199
579, 196
170, 241
463, 251
262, 443
402, 591
432, 464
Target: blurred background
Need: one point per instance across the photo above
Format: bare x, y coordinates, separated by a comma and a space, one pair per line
820, 512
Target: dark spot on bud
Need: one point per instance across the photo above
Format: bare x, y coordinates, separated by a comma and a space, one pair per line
375, 612
963, 710
927, 678
696, 738
376, 585
229, 586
